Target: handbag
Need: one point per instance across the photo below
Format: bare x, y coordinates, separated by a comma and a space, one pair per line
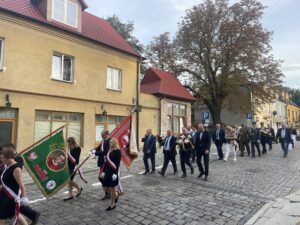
290, 147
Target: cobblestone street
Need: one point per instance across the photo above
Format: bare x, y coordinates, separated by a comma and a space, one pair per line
234, 193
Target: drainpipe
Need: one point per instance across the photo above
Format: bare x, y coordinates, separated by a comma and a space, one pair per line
159, 116
137, 100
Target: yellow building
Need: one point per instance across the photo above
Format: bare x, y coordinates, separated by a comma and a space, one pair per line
293, 114
60, 65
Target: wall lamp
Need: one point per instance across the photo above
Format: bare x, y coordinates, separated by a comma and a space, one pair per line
8, 103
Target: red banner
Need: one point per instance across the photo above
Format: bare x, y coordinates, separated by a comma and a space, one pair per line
123, 134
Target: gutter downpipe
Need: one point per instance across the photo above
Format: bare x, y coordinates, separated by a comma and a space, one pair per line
137, 100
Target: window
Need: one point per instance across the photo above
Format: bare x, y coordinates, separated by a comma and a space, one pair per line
176, 117
62, 67
65, 11
45, 122
1, 52
114, 79
106, 122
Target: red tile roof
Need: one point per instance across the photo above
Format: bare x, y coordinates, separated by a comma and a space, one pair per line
159, 82
93, 28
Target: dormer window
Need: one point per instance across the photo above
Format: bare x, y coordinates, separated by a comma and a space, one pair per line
65, 11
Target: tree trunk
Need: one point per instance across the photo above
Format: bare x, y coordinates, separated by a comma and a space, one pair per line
215, 113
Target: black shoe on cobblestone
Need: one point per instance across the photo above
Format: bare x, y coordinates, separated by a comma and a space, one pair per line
183, 176
161, 173
200, 175
206, 178
175, 173
145, 172
152, 172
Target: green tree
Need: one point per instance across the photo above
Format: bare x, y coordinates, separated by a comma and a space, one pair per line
223, 47
161, 53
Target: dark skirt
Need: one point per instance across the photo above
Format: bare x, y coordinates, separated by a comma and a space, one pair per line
108, 182
7, 207
71, 170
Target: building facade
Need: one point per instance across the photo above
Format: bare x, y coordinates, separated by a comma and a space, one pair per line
171, 103
60, 65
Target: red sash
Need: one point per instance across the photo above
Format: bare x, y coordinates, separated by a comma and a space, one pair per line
73, 161
13, 196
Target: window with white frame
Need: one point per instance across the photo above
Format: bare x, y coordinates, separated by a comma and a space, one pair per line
62, 67
1, 52
46, 122
65, 11
114, 79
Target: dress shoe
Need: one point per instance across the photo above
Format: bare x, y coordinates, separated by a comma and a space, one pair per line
67, 199
161, 173
36, 219
175, 173
206, 178
79, 193
192, 170
152, 172
110, 208
200, 175
145, 172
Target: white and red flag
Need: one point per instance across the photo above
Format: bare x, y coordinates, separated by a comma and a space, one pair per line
125, 134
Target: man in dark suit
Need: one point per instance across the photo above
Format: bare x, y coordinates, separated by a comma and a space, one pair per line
169, 150
271, 137
202, 146
255, 139
284, 136
101, 152
244, 138
149, 150
219, 138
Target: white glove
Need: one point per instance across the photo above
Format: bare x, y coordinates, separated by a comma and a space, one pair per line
24, 201
258, 141
102, 175
114, 177
92, 152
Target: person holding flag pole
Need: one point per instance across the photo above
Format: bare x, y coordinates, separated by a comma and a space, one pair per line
13, 193
101, 151
73, 161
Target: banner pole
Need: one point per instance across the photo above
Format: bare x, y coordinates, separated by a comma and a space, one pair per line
80, 165
40, 140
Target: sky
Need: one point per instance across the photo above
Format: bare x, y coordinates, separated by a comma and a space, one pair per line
154, 17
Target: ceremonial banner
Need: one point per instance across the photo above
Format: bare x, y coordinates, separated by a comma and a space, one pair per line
124, 134
47, 163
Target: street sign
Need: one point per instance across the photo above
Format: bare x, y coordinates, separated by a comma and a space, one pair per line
205, 115
249, 116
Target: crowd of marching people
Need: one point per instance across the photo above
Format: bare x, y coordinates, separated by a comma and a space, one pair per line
196, 144
193, 145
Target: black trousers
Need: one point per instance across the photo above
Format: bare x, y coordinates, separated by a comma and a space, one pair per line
28, 212
244, 144
219, 145
185, 157
270, 142
253, 146
193, 155
263, 144
168, 156
152, 159
205, 157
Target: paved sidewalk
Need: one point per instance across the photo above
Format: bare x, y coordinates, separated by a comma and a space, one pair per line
283, 211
